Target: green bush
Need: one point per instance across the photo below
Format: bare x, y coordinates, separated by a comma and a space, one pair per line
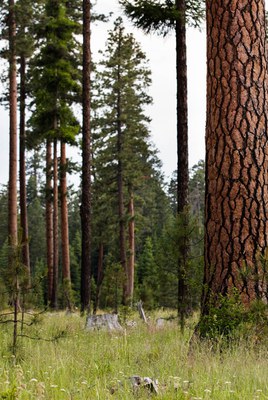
224, 319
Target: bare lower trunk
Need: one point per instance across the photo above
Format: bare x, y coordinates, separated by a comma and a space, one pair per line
66, 274
236, 222
100, 277
49, 220
54, 301
131, 246
122, 235
23, 201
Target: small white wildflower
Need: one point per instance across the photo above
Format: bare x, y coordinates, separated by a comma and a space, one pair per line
63, 390
53, 386
227, 383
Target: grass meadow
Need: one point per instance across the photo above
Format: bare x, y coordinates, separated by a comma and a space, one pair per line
98, 365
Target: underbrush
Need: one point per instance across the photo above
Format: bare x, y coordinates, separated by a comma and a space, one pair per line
98, 365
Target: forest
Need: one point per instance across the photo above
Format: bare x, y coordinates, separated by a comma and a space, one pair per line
180, 264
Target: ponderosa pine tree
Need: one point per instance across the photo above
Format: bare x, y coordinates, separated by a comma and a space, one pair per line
236, 224
152, 15
25, 21
55, 85
121, 149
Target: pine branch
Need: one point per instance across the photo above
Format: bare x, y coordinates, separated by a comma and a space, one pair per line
154, 16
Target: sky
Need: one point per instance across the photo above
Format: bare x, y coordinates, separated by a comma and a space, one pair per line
161, 55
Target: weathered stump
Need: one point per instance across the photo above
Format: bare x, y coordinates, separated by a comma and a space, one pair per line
107, 322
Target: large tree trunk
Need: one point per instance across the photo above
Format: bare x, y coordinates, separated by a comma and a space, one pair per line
12, 184
86, 166
49, 220
54, 302
182, 151
236, 150
66, 273
23, 201
131, 245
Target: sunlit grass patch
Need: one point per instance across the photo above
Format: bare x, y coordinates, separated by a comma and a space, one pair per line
99, 365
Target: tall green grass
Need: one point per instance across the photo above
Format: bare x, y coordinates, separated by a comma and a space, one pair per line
98, 365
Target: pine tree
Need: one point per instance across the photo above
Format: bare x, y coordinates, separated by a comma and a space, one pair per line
55, 87
121, 149
236, 152
153, 15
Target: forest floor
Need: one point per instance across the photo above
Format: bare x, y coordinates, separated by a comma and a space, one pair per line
99, 365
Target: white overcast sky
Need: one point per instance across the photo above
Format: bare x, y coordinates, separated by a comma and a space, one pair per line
161, 55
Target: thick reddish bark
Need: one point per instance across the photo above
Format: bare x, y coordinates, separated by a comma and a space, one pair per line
12, 184
236, 150
23, 200
66, 274
54, 300
86, 166
49, 219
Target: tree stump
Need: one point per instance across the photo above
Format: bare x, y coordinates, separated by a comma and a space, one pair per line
107, 322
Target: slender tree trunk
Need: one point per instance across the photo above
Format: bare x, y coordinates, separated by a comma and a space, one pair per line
236, 221
131, 245
23, 200
49, 219
120, 186
99, 277
182, 150
121, 217
86, 167
66, 273
54, 302
12, 185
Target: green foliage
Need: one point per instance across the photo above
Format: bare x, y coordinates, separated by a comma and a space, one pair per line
169, 251
55, 77
111, 292
147, 276
10, 394
161, 16
120, 135
225, 317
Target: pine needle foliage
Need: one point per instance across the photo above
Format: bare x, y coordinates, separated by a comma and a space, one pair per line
161, 16
55, 76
